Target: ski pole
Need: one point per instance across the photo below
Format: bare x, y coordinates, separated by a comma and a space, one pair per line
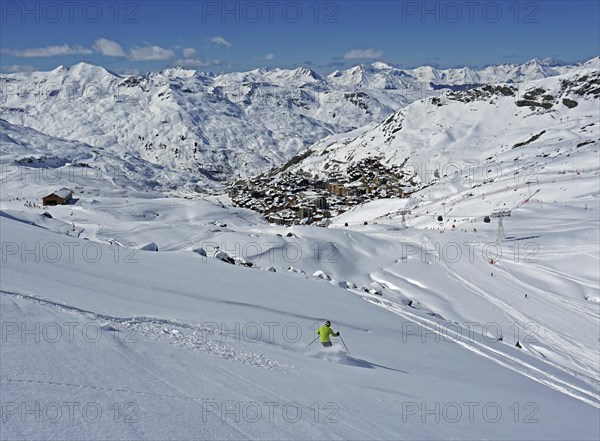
342, 340
311, 342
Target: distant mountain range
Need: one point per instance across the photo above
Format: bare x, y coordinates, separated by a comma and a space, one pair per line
215, 128
383, 76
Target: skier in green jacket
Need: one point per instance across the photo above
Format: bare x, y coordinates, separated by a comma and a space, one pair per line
325, 332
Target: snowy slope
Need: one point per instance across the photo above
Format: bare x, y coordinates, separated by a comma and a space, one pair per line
43, 162
160, 344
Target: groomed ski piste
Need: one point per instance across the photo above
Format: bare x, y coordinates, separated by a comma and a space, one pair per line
452, 332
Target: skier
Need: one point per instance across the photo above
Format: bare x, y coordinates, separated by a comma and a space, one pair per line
325, 332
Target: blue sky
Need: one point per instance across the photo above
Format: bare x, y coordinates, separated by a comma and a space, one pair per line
218, 36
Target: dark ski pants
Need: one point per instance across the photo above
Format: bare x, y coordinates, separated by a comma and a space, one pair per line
326, 343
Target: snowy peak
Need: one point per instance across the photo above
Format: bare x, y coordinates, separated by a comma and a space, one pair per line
355, 76
535, 68
594, 63
85, 70
305, 73
376, 76
299, 75
381, 66
551, 62
179, 72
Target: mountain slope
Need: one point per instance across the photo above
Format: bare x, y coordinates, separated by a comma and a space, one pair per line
39, 162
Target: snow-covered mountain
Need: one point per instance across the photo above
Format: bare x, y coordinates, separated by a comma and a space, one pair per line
36, 159
220, 126
465, 138
189, 122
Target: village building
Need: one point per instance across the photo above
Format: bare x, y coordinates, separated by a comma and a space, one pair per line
59, 197
299, 197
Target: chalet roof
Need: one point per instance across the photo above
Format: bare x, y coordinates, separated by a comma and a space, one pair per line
62, 193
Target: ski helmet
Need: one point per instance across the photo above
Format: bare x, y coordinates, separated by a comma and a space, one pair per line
328, 323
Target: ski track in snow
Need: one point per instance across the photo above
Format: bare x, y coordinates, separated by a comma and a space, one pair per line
519, 319
103, 388
508, 361
174, 332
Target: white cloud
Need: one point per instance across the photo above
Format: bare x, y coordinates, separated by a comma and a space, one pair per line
14, 68
48, 51
220, 41
150, 53
109, 48
193, 63
362, 53
269, 56
189, 52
